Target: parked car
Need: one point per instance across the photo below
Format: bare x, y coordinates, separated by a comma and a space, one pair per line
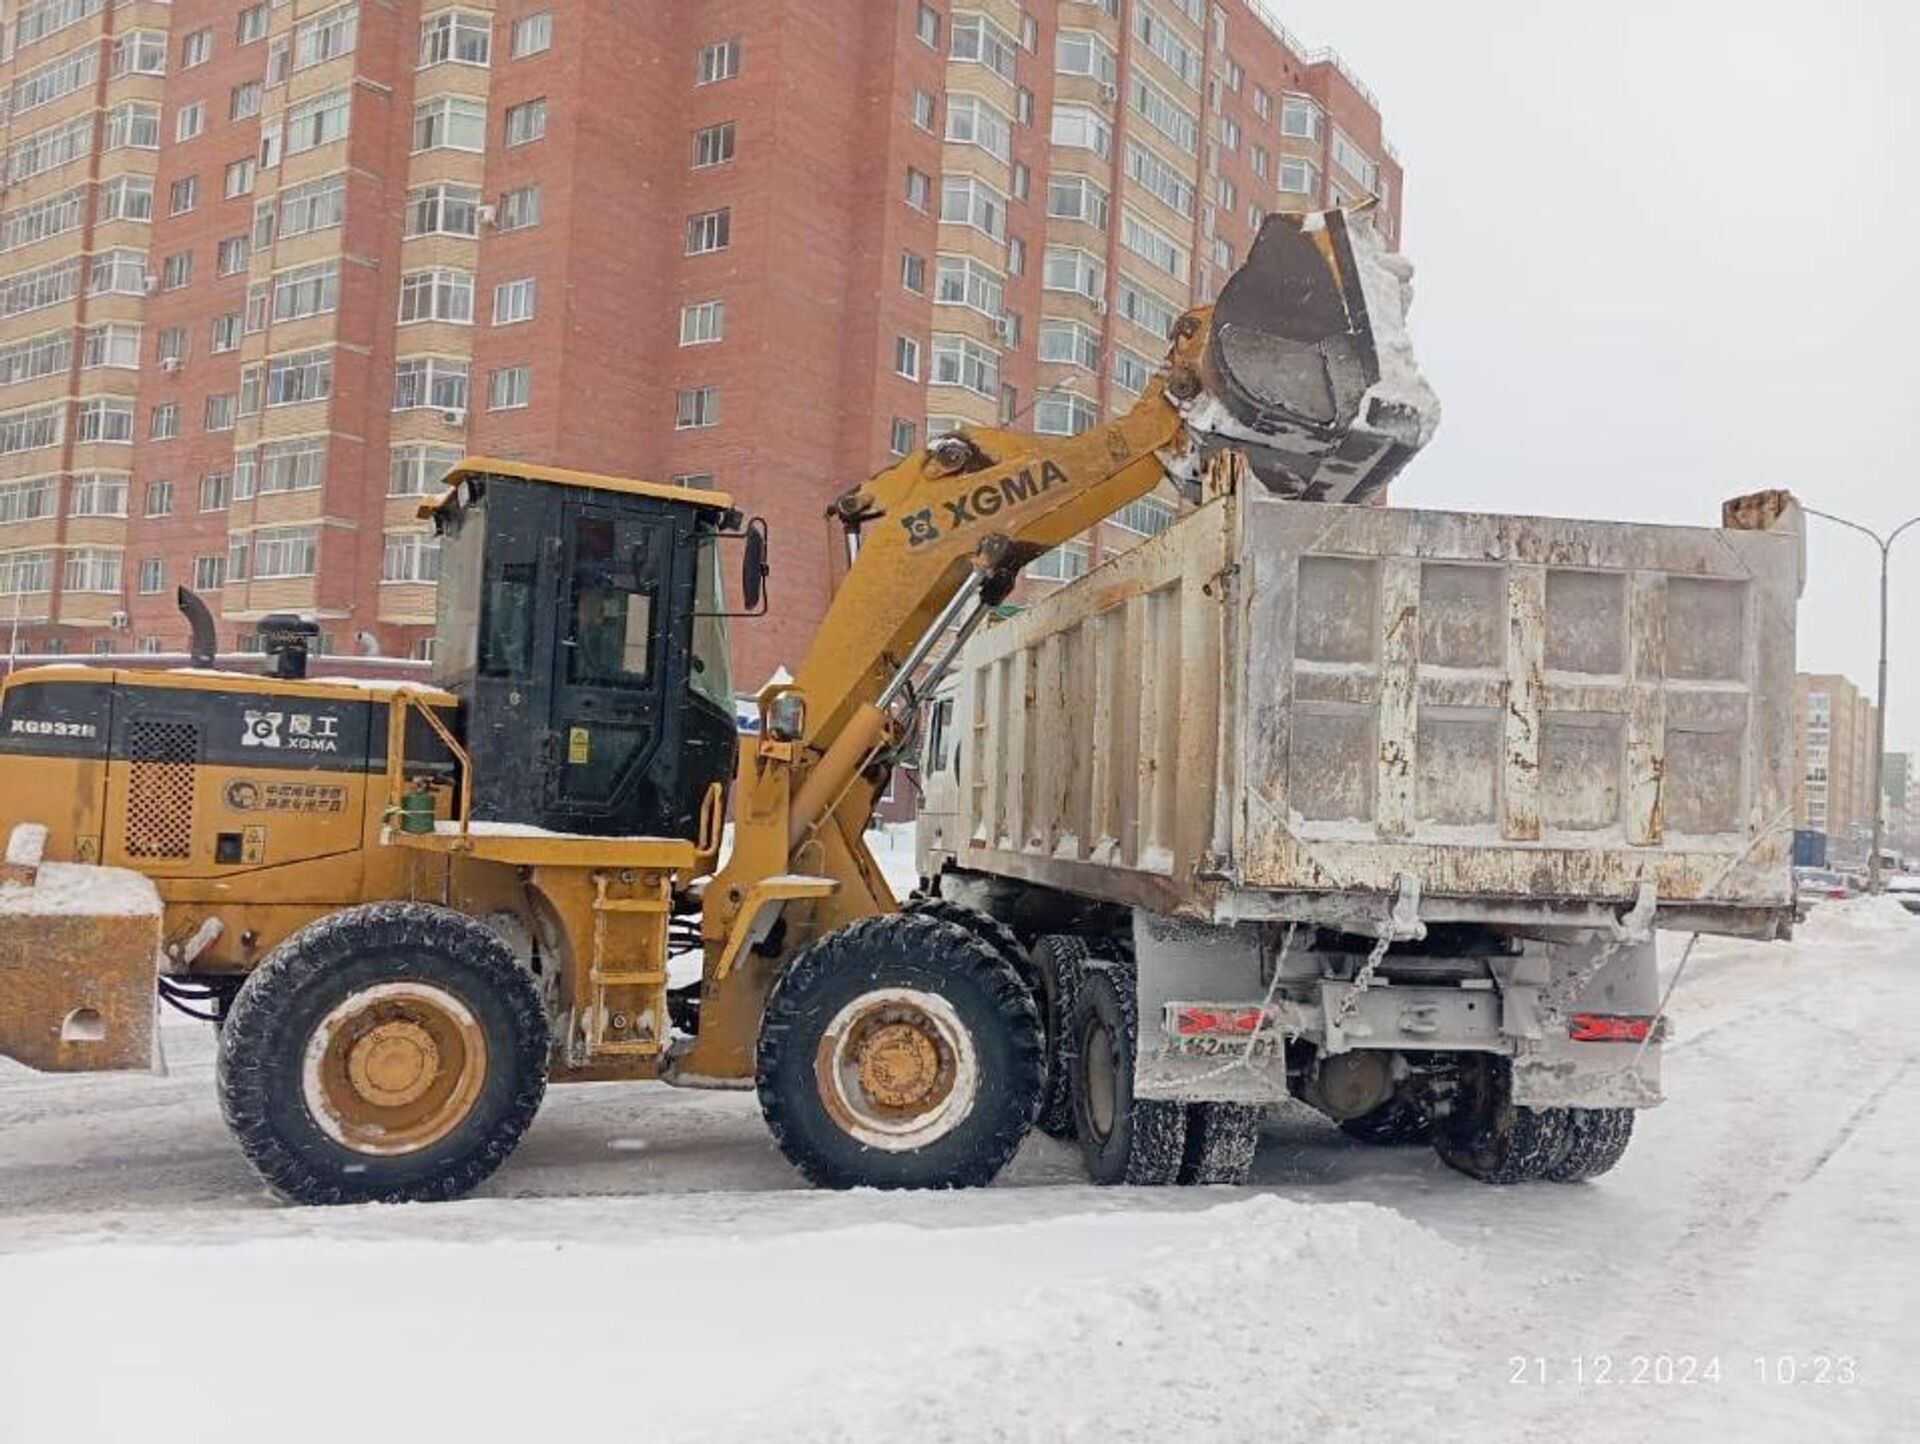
1820, 884
1905, 890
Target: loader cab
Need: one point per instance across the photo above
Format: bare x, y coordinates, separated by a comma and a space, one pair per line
581, 621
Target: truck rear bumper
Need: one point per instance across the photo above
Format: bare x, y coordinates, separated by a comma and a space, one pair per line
79, 959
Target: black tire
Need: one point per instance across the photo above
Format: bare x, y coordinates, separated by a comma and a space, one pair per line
1058, 959
988, 1002
1122, 1139
1489, 1137
1394, 1124
267, 1090
1221, 1141
1595, 1140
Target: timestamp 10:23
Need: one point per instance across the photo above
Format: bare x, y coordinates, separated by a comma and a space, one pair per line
1601, 1370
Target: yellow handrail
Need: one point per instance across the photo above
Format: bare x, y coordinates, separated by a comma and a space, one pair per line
402, 701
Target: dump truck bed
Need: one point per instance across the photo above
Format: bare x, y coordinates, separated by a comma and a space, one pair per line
1290, 710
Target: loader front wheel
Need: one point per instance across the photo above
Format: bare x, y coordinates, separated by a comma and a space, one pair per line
899, 1052
393, 1052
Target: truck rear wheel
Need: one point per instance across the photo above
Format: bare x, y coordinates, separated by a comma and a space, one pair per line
1596, 1139
1221, 1141
899, 1052
1488, 1136
393, 1052
1122, 1138
1058, 959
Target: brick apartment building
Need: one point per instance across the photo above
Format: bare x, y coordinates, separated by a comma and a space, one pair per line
1833, 751
266, 270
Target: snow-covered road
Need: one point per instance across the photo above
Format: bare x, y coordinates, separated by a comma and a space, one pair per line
648, 1264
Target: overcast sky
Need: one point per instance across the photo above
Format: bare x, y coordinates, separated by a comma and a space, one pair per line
1666, 253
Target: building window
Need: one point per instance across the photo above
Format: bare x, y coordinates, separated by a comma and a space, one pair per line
697, 408
91, 569
313, 206
126, 198
532, 34
183, 195
303, 376
450, 122
709, 231
1300, 118
28, 500
243, 102
718, 61
1153, 245
913, 273
209, 573
159, 500
1063, 564
230, 258
464, 37
919, 189
1069, 343
713, 146
34, 428
1081, 127
508, 388
134, 125
251, 24
410, 556
215, 488
1075, 198
1354, 161
163, 423
443, 209
900, 439
926, 25
286, 551
1016, 256
1148, 516
98, 493
513, 301
1068, 268
1081, 52
1165, 114
317, 122
292, 466
979, 40
702, 323
190, 120
419, 470
26, 572
239, 178
219, 413
152, 575
1229, 132
906, 357
171, 345
326, 36
520, 208
962, 361
923, 109
1059, 413
138, 52
1299, 177
437, 295
963, 281
972, 121
434, 382
1131, 370
968, 201
527, 121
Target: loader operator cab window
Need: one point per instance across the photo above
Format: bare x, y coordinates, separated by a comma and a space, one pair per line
611, 639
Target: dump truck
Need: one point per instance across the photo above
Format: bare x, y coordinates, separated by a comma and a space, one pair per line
1377, 809
409, 908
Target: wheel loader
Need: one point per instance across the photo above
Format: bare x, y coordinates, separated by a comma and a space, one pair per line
409, 908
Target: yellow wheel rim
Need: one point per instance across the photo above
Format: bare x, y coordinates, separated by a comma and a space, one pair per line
395, 1068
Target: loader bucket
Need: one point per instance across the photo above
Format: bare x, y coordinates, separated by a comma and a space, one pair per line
1307, 367
79, 958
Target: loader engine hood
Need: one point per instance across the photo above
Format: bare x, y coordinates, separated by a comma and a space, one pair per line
1308, 369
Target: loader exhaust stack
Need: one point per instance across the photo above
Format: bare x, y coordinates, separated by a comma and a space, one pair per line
1308, 370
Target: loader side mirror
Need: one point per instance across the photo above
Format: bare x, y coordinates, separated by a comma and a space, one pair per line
754, 568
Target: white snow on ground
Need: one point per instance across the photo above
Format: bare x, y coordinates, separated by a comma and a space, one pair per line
648, 1267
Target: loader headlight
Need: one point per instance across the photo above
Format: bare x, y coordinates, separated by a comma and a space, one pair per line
787, 717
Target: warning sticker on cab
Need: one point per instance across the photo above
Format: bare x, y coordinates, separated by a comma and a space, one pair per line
577, 749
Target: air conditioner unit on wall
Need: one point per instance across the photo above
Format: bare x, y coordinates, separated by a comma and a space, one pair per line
119, 621
454, 416
487, 212
1109, 92
169, 364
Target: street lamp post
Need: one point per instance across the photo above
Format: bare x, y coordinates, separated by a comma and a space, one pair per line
1885, 543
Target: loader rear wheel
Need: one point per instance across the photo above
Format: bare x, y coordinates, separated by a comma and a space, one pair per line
393, 1052
1221, 1141
899, 1052
1122, 1138
1488, 1136
1058, 959
1596, 1139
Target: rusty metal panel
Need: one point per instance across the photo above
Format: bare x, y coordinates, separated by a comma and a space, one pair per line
1548, 710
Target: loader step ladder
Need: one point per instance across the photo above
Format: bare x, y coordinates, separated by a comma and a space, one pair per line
626, 1012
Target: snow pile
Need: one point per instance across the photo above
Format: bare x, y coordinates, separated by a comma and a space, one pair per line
1268, 1320
1386, 280
68, 889
1860, 920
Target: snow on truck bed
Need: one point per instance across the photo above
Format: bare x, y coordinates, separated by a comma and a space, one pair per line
648, 1267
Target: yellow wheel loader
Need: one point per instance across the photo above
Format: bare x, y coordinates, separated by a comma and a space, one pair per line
409, 908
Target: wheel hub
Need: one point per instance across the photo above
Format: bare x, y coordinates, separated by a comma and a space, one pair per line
394, 1069
896, 1069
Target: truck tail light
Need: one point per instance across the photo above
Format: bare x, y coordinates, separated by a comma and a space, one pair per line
1197, 1020
1609, 1027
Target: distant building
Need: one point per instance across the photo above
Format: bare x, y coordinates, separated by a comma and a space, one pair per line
1833, 749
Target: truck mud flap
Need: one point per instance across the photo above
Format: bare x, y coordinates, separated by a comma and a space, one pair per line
79, 960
